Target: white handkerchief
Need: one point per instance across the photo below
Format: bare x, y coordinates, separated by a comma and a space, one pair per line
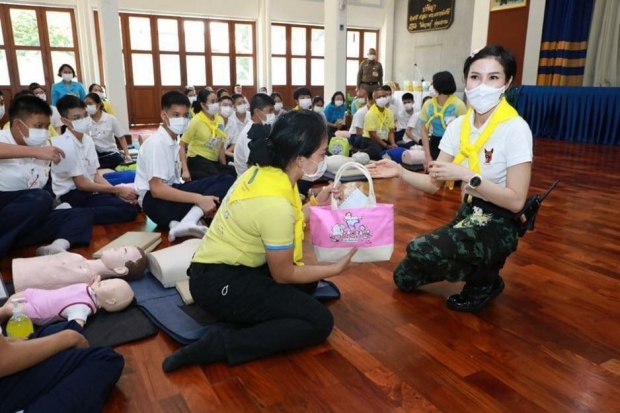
356, 199
66, 164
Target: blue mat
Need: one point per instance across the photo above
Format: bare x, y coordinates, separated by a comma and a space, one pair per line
187, 323
124, 177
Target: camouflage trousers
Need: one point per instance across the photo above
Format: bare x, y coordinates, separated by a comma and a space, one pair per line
473, 254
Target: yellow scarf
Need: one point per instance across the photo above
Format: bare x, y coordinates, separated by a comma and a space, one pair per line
382, 116
439, 114
268, 181
470, 150
216, 132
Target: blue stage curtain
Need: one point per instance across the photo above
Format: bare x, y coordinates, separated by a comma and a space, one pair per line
576, 114
564, 42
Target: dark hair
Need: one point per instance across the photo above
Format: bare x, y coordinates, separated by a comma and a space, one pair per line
174, 97
27, 105
135, 269
33, 86
275, 95
259, 101
220, 91
91, 87
444, 83
407, 96
337, 94
67, 102
201, 98
236, 96
223, 98
387, 88
318, 99
302, 91
503, 56
295, 133
425, 99
63, 66
188, 89
22, 93
96, 98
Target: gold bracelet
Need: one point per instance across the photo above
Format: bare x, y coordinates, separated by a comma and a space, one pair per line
313, 201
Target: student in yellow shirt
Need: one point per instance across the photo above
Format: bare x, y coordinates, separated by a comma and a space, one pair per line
248, 268
378, 127
202, 150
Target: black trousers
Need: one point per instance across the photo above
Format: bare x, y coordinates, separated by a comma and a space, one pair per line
433, 143
279, 317
106, 208
200, 168
110, 159
372, 148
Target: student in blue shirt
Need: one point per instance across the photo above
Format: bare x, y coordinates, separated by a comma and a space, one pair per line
334, 113
67, 86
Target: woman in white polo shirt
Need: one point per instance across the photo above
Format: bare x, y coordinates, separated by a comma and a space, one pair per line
105, 130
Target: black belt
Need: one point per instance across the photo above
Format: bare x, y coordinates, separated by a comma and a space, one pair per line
370, 83
489, 207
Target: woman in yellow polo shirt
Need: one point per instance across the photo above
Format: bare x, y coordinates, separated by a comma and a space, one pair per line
203, 143
248, 268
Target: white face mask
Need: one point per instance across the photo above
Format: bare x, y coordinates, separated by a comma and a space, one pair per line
270, 118
381, 102
483, 98
339, 103
91, 109
372, 57
320, 170
241, 109
213, 108
226, 111
42, 96
36, 137
2, 111
192, 99
101, 95
81, 125
178, 125
432, 92
278, 106
408, 106
361, 101
317, 109
67, 77
305, 103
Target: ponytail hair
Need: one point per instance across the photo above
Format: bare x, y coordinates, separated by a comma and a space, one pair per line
97, 99
201, 98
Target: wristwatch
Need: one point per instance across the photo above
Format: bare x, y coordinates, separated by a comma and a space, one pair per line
475, 181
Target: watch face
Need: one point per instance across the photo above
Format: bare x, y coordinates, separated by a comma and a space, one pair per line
475, 181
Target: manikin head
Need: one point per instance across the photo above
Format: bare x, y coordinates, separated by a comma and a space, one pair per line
113, 294
128, 262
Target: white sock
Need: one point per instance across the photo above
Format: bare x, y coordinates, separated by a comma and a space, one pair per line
64, 205
59, 245
188, 227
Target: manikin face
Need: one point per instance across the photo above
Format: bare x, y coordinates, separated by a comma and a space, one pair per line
113, 294
115, 258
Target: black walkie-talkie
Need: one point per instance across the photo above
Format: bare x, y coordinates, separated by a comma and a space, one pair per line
527, 216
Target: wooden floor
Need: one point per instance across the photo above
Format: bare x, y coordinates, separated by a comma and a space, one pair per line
549, 343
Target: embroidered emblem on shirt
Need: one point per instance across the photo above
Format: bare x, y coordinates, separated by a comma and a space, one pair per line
488, 156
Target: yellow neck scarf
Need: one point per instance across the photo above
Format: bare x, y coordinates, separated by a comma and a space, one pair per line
268, 181
213, 124
470, 150
439, 114
381, 115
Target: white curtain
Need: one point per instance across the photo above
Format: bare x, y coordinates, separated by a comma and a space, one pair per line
603, 57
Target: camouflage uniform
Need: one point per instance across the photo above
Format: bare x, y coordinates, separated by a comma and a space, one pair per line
473, 254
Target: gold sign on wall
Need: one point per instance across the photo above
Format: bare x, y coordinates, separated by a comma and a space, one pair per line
427, 15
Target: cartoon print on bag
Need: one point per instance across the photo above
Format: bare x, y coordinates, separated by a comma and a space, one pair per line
353, 231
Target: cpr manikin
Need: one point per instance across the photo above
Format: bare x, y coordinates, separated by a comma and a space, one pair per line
73, 302
64, 269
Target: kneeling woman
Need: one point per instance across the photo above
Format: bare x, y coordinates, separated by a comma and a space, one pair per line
490, 150
248, 268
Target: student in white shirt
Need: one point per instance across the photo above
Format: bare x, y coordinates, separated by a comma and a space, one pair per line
357, 124
261, 108
83, 186
164, 199
279, 104
403, 116
27, 214
236, 122
318, 105
105, 130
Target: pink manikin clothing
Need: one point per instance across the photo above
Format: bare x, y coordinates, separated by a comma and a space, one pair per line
45, 306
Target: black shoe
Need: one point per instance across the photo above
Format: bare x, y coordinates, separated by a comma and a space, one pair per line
474, 298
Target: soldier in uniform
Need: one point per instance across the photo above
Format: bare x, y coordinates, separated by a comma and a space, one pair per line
370, 74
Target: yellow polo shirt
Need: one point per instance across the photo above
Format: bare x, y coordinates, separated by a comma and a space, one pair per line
380, 122
205, 137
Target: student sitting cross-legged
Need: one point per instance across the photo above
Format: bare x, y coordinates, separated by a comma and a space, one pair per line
26, 211
164, 199
83, 186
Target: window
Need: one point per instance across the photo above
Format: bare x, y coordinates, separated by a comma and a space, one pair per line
34, 43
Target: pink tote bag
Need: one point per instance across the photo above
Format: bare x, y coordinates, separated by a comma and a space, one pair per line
335, 231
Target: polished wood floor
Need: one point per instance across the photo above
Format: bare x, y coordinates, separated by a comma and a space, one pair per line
550, 343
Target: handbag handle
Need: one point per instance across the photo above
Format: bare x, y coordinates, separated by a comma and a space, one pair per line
372, 200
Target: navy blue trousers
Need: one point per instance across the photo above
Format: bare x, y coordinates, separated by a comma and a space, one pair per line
162, 212
106, 208
27, 218
110, 159
74, 380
